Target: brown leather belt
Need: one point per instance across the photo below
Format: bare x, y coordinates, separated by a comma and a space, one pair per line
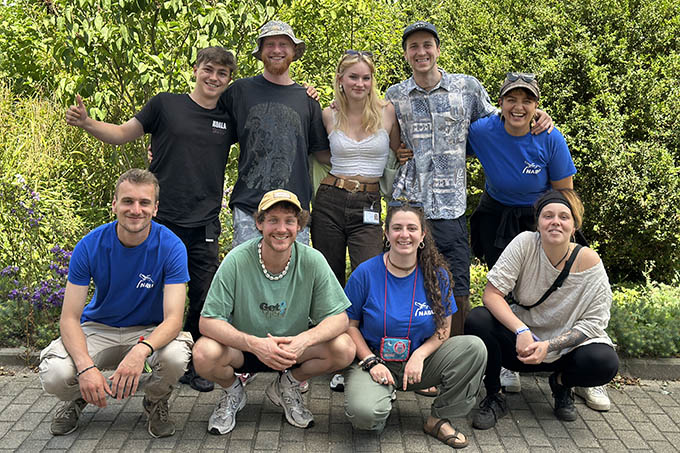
350, 185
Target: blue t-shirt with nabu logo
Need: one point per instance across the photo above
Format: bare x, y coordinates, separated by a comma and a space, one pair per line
366, 290
518, 169
128, 281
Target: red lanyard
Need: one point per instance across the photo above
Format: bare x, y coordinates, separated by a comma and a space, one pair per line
413, 298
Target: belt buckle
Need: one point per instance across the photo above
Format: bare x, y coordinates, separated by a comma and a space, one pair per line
357, 184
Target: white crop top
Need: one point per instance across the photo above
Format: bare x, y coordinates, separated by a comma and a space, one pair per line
365, 157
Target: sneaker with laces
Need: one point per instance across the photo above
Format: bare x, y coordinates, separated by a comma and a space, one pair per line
246, 378
223, 418
195, 381
596, 397
65, 420
510, 381
491, 409
564, 400
287, 395
159, 425
338, 383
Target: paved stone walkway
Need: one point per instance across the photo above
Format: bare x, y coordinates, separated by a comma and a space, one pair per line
644, 417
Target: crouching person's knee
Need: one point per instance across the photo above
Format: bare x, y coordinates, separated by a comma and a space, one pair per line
342, 351
57, 371
205, 355
175, 356
367, 414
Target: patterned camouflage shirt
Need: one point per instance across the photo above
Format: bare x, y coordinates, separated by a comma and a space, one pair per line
434, 124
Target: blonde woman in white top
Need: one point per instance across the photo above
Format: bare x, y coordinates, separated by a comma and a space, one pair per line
362, 129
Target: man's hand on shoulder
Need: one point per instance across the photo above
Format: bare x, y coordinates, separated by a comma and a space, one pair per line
311, 92
543, 122
270, 351
93, 387
125, 379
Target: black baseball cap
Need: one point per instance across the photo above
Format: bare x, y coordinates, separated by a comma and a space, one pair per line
421, 25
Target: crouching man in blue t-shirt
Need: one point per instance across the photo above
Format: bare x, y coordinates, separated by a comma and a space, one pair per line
139, 269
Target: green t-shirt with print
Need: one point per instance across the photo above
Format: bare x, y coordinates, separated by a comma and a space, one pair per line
241, 295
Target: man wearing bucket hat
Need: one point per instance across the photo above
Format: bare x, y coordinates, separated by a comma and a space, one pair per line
277, 126
434, 109
256, 316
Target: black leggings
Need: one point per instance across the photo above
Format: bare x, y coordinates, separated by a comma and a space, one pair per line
586, 366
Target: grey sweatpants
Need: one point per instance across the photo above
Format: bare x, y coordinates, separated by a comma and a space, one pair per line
456, 367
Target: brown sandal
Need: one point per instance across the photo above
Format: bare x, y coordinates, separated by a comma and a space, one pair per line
451, 440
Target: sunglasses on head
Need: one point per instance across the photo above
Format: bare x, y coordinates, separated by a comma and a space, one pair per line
402, 203
527, 77
363, 53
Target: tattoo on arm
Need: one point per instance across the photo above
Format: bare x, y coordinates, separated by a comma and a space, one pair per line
568, 339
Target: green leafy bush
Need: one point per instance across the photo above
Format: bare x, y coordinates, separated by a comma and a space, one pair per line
645, 320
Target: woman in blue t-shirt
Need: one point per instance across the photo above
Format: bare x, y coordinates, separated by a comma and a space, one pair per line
518, 166
400, 320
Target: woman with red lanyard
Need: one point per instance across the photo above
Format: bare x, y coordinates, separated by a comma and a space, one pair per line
400, 320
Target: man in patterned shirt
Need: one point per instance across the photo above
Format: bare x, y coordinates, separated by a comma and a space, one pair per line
435, 109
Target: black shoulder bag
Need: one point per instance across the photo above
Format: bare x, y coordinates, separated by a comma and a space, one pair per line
558, 281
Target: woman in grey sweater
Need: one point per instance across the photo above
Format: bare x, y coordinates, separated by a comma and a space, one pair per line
565, 332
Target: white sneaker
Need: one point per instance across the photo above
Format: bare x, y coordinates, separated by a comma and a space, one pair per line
223, 418
510, 381
338, 383
286, 395
596, 397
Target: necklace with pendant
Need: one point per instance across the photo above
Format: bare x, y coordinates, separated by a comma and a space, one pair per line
272, 277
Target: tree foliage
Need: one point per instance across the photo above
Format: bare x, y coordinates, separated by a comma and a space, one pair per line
609, 72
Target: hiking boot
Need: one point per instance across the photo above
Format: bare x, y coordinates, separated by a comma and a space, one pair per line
195, 381
65, 420
596, 397
564, 400
159, 425
492, 408
510, 381
286, 394
223, 418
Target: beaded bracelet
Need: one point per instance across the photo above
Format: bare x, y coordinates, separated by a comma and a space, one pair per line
370, 362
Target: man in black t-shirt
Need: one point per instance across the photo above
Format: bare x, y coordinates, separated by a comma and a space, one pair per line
191, 136
277, 126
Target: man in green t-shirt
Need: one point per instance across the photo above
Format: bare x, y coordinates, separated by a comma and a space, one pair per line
256, 316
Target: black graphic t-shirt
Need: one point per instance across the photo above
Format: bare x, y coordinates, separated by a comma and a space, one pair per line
190, 146
277, 127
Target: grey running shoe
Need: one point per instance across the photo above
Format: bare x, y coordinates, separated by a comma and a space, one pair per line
223, 418
492, 408
159, 425
65, 420
287, 396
